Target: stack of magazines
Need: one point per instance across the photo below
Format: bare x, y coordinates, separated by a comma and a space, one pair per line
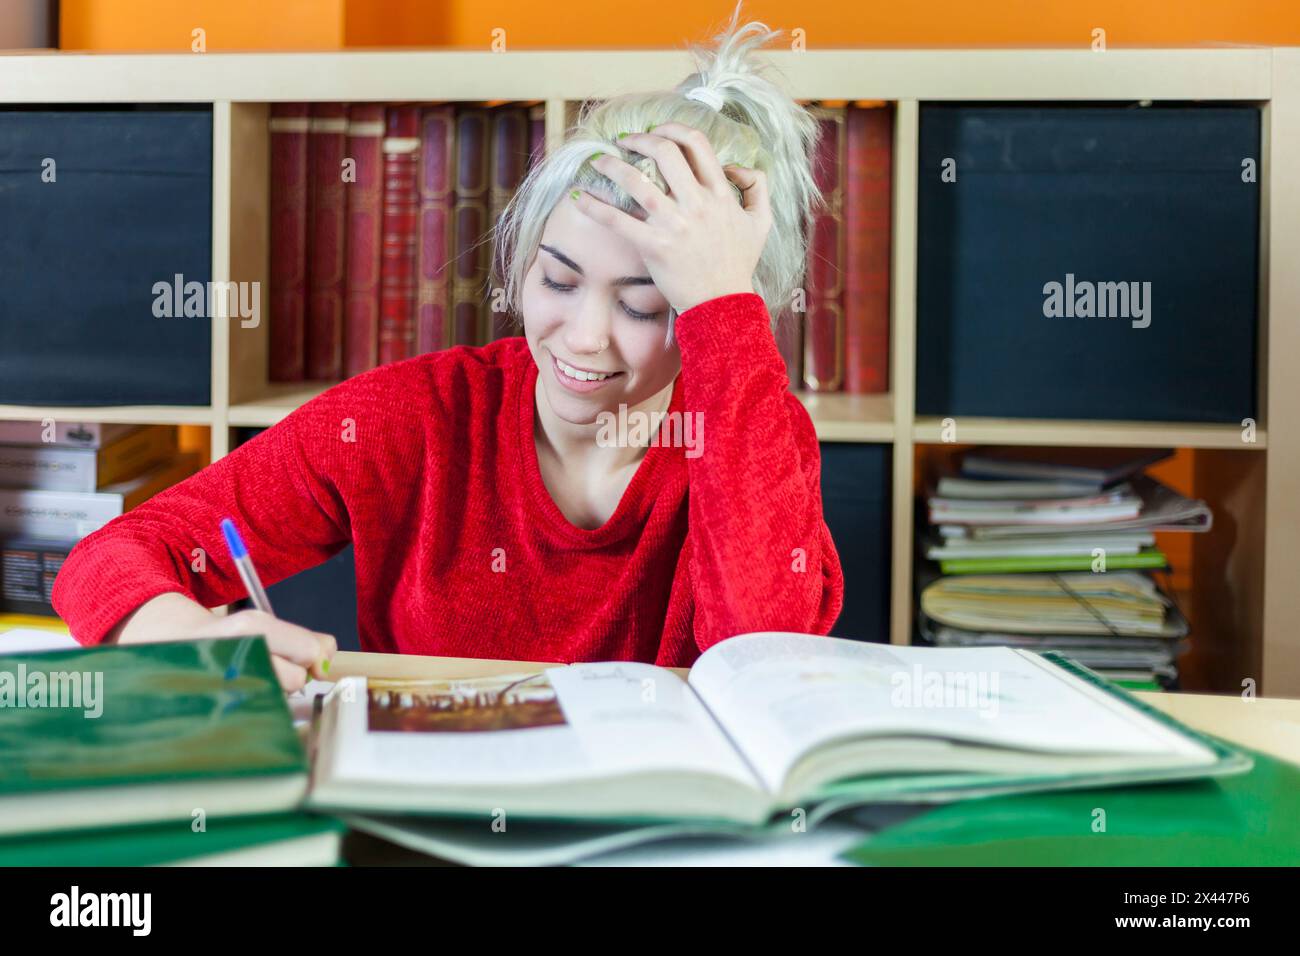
1051, 549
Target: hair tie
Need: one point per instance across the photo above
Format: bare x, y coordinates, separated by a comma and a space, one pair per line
707, 96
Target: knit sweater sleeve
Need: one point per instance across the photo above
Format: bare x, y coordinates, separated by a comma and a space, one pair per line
285, 489
761, 556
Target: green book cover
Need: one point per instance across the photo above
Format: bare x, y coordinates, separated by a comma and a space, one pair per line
1138, 684
157, 714
1250, 819
158, 844
1146, 558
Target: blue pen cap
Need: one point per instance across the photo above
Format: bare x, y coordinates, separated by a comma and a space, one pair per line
233, 541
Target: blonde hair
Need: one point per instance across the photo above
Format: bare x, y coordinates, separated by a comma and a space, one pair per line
760, 126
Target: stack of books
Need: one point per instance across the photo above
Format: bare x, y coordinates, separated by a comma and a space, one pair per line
1050, 549
61, 481
153, 754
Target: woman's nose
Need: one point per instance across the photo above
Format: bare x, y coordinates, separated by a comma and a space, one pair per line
587, 333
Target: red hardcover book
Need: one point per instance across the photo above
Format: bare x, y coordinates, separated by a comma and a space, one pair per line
469, 225
365, 194
789, 342
288, 267
823, 356
326, 241
868, 206
510, 142
400, 219
433, 289
536, 134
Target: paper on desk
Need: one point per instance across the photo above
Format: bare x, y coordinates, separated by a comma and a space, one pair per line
300, 703
819, 847
27, 640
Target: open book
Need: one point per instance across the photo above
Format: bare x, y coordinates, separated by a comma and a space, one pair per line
764, 723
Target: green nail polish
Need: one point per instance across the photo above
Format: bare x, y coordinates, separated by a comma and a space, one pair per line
574, 194
325, 666
650, 127
621, 135
593, 156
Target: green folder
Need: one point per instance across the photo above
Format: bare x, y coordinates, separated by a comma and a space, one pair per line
1016, 563
176, 842
1251, 819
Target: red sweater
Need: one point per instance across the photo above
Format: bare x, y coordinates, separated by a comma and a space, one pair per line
428, 466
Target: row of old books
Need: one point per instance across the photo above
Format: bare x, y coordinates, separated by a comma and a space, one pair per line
1054, 549
380, 214
61, 481
841, 342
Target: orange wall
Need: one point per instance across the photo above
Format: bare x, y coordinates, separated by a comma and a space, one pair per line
228, 24
331, 24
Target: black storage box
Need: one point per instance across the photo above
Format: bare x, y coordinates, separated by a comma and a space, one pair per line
322, 598
1081, 196
97, 207
857, 504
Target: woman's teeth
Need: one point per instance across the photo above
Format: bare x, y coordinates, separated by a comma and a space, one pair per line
580, 375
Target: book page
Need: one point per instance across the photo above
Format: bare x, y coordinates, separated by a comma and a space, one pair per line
583, 721
780, 695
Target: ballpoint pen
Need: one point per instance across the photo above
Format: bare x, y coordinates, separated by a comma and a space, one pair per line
252, 583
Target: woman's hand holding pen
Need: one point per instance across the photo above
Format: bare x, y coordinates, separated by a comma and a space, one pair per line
298, 654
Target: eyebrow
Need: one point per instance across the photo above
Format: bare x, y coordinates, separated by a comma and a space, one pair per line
626, 280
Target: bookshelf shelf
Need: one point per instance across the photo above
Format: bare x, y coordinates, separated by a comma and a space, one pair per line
853, 418
1245, 612
1001, 431
116, 414
278, 402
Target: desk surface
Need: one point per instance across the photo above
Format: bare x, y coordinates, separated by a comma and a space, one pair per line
1270, 725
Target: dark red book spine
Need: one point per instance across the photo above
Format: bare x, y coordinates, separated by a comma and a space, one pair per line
789, 342
868, 207
823, 357
364, 224
400, 220
536, 135
433, 288
288, 267
469, 223
510, 144
327, 241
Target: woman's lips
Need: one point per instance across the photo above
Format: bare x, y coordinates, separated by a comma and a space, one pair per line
580, 386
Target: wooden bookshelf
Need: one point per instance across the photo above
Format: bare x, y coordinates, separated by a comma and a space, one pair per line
123, 414
1246, 605
1033, 431
276, 401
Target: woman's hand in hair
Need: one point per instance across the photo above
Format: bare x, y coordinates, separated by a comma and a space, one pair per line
697, 241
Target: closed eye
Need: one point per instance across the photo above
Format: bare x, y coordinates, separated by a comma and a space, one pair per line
555, 285
641, 316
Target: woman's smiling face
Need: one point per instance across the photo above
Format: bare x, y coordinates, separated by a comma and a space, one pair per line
589, 307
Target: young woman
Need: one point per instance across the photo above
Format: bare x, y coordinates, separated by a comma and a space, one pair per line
630, 479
